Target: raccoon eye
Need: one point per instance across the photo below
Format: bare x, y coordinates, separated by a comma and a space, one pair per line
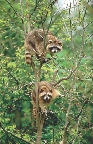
50, 41
51, 90
41, 90
60, 43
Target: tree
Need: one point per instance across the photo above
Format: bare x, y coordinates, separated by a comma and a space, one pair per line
70, 116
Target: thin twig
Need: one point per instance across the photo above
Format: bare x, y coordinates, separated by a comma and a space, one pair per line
15, 136
12, 7
28, 17
22, 16
71, 72
54, 75
15, 11
84, 103
17, 82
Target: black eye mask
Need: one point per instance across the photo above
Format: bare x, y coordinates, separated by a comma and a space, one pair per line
54, 49
46, 98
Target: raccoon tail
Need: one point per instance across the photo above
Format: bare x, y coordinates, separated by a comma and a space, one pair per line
27, 57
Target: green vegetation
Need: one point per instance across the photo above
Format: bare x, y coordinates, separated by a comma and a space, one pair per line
71, 116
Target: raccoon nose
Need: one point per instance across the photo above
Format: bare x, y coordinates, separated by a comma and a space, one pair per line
46, 97
54, 50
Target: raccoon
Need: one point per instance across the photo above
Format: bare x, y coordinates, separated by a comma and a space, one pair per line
46, 93
39, 43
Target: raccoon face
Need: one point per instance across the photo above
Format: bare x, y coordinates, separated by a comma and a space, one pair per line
53, 44
54, 49
45, 94
46, 98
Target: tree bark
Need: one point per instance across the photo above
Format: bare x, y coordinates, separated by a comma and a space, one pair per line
39, 130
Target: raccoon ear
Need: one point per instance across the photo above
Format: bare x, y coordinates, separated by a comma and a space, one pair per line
56, 93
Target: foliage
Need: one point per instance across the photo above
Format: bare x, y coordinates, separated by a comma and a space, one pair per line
72, 113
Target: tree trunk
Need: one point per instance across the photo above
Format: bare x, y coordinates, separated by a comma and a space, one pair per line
39, 130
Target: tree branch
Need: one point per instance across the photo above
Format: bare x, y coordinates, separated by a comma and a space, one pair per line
54, 75
39, 117
22, 16
15, 11
84, 103
71, 72
17, 82
15, 136
64, 140
12, 7
28, 17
